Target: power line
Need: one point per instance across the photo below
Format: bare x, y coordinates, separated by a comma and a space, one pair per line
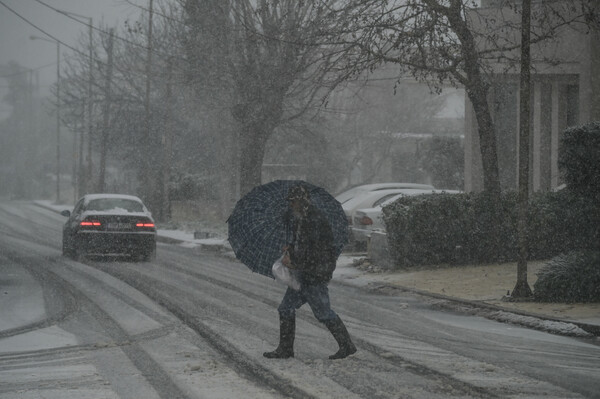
144, 47
37, 27
155, 12
88, 25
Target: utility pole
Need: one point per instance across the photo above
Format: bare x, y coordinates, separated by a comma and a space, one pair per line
58, 122
106, 111
146, 181
85, 183
81, 183
75, 160
522, 289
90, 104
167, 140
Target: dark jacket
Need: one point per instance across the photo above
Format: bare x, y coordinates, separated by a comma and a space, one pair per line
312, 251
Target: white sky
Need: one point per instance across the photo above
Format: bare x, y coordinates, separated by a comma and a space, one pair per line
15, 44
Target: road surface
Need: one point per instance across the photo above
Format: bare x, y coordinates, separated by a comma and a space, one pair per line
194, 324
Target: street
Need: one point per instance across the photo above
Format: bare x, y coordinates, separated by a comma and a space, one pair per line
194, 324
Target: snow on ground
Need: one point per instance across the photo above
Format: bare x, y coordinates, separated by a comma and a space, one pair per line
554, 327
483, 283
188, 238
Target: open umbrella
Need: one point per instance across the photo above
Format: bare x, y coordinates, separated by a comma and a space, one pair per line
260, 223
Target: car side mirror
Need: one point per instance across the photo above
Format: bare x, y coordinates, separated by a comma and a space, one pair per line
66, 213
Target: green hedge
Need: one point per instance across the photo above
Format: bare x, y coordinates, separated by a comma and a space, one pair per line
476, 228
579, 159
572, 277
411, 223
562, 222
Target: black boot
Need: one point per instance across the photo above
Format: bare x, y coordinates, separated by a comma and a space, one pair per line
287, 333
339, 332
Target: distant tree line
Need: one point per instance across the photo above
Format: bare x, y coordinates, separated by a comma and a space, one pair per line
211, 88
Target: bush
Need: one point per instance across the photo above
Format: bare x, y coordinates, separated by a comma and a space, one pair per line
494, 227
477, 228
561, 222
427, 229
579, 159
572, 277
452, 228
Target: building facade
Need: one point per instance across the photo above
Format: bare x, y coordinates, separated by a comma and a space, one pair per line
564, 93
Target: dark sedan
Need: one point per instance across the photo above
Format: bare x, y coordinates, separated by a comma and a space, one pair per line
109, 224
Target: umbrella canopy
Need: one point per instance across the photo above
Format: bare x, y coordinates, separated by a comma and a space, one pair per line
260, 224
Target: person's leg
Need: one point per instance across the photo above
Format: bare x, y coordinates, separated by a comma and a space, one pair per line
317, 297
340, 333
291, 301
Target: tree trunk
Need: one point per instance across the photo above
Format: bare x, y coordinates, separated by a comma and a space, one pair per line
252, 152
106, 115
477, 91
487, 138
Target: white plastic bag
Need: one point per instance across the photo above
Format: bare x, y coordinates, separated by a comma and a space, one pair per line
284, 275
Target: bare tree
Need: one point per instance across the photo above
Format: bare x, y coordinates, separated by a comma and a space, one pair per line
272, 66
451, 42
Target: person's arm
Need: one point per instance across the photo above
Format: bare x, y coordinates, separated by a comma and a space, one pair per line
286, 260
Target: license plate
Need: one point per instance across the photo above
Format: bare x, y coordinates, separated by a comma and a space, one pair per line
119, 226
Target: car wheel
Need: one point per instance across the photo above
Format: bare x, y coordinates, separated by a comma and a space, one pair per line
149, 256
67, 250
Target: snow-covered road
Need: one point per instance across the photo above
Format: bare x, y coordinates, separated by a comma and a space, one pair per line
194, 325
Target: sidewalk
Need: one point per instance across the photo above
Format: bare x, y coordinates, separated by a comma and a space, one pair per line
484, 287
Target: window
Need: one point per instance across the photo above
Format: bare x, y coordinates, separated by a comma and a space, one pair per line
106, 204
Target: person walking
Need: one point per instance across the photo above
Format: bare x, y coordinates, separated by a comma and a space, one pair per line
312, 255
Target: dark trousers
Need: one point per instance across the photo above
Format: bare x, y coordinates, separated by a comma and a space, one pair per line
317, 296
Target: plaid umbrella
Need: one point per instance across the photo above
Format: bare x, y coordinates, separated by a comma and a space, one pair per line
260, 223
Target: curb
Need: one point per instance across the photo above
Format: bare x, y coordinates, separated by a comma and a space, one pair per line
591, 329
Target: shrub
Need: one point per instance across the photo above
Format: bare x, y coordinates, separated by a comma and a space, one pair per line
426, 229
494, 227
451, 228
571, 277
477, 228
579, 159
551, 219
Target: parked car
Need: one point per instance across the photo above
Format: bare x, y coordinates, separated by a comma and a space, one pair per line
109, 224
354, 191
367, 220
368, 199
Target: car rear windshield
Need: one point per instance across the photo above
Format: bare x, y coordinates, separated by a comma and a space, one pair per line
109, 204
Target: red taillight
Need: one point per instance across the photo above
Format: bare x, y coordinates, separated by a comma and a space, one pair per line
144, 225
366, 220
90, 223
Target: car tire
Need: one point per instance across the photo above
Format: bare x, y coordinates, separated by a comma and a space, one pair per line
67, 250
148, 257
